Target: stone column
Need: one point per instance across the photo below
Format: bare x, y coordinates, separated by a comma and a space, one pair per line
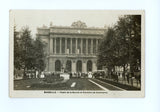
54, 45
65, 45
47, 63
53, 65
51, 45
60, 46
81, 45
86, 46
96, 45
94, 66
84, 67
76, 46
64, 65
73, 66
91, 46
71, 45
50, 65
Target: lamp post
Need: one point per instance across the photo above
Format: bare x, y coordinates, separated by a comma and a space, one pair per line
128, 39
128, 46
128, 63
67, 53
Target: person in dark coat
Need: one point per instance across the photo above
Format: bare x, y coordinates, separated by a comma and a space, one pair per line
128, 78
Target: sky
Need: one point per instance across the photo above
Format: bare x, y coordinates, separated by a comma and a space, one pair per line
37, 18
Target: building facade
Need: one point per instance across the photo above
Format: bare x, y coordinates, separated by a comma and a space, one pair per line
71, 49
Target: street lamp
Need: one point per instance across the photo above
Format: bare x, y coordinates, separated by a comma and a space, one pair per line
128, 67
128, 39
128, 43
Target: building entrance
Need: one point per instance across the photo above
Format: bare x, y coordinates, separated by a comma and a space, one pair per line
89, 66
79, 66
57, 65
68, 66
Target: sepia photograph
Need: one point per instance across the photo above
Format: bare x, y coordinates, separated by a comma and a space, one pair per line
77, 53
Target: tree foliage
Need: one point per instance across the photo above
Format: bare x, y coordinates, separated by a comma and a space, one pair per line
121, 45
17, 58
28, 53
39, 54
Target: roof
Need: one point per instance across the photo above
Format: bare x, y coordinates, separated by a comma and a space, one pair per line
71, 30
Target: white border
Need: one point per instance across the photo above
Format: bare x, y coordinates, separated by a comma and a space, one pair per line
151, 101
113, 94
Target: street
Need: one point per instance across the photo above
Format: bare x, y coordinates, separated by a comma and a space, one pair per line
71, 84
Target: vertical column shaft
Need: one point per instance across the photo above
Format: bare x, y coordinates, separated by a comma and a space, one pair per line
81, 45
84, 67
54, 45
76, 46
73, 66
71, 45
86, 46
91, 46
65, 45
94, 66
51, 46
60, 46
96, 45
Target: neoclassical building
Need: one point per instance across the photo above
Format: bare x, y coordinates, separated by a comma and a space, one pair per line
71, 49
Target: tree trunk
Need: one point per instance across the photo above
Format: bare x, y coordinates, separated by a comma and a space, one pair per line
124, 70
24, 73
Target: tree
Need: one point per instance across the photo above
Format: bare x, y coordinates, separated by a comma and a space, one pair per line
121, 45
106, 55
39, 54
136, 40
28, 53
27, 56
129, 32
123, 32
17, 58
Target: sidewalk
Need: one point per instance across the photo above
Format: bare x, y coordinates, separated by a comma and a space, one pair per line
120, 80
122, 83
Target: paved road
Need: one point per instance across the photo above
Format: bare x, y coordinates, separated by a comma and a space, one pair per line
71, 84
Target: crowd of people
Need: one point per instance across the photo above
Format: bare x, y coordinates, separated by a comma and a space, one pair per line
115, 76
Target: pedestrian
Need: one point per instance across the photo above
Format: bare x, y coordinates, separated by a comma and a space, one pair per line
132, 78
123, 74
116, 76
128, 78
71, 75
111, 74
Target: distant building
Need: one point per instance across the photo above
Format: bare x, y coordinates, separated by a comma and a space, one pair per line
71, 49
